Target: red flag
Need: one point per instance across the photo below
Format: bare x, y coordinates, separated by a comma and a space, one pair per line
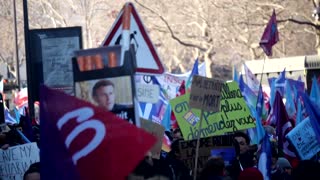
284, 126
181, 91
270, 35
82, 141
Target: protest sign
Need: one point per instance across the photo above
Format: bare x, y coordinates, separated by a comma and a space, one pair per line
205, 93
226, 153
89, 142
99, 79
156, 130
171, 82
188, 149
233, 116
148, 93
112, 94
303, 138
15, 161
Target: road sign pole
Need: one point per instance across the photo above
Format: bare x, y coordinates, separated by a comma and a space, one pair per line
26, 40
125, 31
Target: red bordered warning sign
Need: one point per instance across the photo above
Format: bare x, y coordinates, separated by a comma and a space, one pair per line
148, 60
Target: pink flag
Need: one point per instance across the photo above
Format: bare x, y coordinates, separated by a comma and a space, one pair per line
270, 36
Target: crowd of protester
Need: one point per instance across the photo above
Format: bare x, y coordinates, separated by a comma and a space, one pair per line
171, 167
243, 167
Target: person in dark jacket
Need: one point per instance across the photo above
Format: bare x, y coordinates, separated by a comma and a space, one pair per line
213, 169
307, 169
244, 156
178, 169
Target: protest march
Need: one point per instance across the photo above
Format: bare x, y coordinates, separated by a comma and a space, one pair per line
105, 113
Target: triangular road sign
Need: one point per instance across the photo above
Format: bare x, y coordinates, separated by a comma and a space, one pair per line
148, 60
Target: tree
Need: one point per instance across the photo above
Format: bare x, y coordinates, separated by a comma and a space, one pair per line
220, 32
224, 32
7, 45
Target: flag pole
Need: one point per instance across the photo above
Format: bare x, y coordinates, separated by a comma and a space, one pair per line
244, 64
264, 60
197, 148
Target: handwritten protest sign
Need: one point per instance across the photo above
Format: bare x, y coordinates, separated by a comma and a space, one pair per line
233, 116
303, 138
147, 92
188, 148
205, 93
15, 161
158, 131
170, 83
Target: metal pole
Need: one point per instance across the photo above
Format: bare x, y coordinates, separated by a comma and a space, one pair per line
29, 70
16, 43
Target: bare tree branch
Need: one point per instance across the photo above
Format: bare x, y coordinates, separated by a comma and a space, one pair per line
285, 20
299, 22
316, 3
49, 5
171, 31
2, 58
269, 4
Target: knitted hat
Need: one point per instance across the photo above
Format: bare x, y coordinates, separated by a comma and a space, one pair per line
283, 163
250, 174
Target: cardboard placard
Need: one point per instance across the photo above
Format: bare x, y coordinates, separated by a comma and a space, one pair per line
234, 115
158, 131
303, 138
15, 161
111, 88
205, 93
148, 93
188, 149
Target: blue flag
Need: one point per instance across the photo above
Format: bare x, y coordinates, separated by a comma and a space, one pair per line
248, 95
167, 118
299, 113
195, 71
8, 118
279, 82
315, 92
290, 105
260, 102
265, 158
235, 74
314, 115
258, 115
